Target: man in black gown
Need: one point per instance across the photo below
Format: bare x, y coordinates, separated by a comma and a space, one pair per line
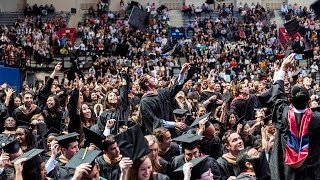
156, 105
295, 122
190, 150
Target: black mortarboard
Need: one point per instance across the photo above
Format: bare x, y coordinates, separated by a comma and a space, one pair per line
30, 154
51, 131
121, 50
67, 138
139, 18
194, 162
134, 3
316, 8
292, 26
193, 70
83, 156
132, 143
9, 144
180, 112
42, 129
196, 121
25, 124
188, 140
240, 120
222, 126
162, 7
209, 1
93, 137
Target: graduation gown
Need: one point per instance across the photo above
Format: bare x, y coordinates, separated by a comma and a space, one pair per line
180, 161
172, 152
157, 107
61, 172
107, 170
275, 98
20, 115
244, 108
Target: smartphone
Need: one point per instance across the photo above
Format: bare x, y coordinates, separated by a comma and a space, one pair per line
299, 57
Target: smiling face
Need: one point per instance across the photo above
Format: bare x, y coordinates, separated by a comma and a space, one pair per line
145, 170
86, 111
235, 143
112, 98
50, 102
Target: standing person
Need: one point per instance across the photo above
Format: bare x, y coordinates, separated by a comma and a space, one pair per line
157, 104
314, 70
244, 104
295, 122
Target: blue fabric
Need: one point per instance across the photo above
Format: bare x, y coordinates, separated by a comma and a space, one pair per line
294, 142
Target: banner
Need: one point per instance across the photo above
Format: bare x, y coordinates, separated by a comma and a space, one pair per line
12, 76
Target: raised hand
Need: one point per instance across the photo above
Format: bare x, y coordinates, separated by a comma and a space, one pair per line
81, 170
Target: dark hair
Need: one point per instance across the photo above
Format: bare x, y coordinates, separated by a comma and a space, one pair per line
32, 168
226, 135
27, 92
110, 139
201, 168
242, 158
56, 108
299, 96
30, 139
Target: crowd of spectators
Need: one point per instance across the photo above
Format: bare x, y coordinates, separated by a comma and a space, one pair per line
217, 103
32, 36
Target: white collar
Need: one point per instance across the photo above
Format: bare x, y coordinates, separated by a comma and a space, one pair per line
298, 110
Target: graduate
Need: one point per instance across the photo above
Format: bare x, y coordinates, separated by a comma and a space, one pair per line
295, 122
190, 150
157, 104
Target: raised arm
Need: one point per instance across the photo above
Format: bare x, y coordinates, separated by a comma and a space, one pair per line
45, 91
178, 84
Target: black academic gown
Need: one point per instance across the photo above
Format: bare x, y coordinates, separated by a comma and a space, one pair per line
107, 170
157, 107
18, 115
172, 152
276, 99
180, 161
244, 108
60, 172
227, 169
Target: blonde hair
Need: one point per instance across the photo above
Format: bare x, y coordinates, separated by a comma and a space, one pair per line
155, 163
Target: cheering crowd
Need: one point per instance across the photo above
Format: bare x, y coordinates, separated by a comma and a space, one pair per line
239, 108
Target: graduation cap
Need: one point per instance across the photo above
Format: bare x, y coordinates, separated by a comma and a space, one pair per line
180, 112
292, 26
67, 138
29, 155
50, 132
9, 144
222, 126
25, 124
316, 8
188, 140
196, 121
193, 70
194, 162
83, 156
161, 8
93, 137
139, 18
121, 50
132, 143
134, 3
42, 129
209, 1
